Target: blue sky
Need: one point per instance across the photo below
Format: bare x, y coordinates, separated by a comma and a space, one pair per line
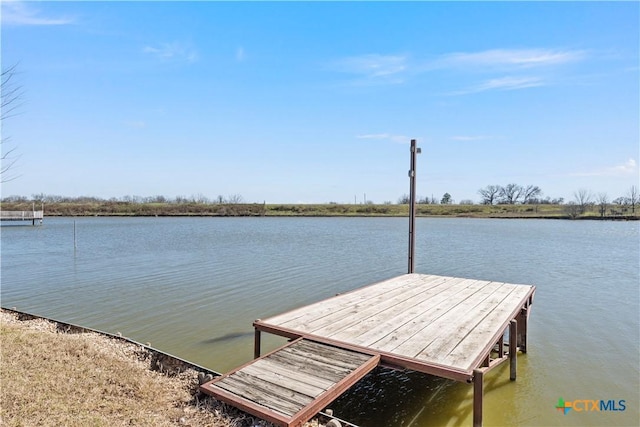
317, 102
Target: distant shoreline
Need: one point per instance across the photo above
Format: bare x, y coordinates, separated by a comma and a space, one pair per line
128, 209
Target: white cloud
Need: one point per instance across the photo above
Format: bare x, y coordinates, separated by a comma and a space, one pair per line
174, 51
20, 13
374, 67
400, 139
469, 137
240, 54
136, 124
394, 69
503, 83
508, 58
627, 168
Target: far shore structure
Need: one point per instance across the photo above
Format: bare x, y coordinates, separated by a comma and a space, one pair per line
36, 217
449, 327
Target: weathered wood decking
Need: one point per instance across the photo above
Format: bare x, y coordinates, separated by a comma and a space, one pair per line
293, 383
445, 326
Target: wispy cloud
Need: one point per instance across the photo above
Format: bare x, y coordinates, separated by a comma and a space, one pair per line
516, 68
502, 83
627, 168
399, 139
374, 68
466, 138
540, 66
174, 51
21, 13
240, 54
136, 124
508, 58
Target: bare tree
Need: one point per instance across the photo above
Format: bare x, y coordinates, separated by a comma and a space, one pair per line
510, 194
583, 199
235, 199
603, 204
11, 97
404, 199
632, 196
530, 193
572, 209
489, 194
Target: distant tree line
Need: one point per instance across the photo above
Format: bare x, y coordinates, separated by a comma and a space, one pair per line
196, 199
514, 194
445, 200
511, 194
585, 200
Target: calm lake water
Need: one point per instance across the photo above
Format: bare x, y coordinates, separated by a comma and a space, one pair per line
193, 286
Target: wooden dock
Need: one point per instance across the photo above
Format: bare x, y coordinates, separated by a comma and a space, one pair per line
293, 383
445, 326
32, 216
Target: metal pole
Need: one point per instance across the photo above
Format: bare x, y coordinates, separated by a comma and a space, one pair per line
412, 206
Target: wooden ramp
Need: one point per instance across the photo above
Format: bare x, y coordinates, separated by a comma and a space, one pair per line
292, 383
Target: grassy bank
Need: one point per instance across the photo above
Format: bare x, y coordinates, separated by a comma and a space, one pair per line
51, 378
110, 208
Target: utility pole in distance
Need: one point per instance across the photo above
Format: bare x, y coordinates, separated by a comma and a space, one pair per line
412, 205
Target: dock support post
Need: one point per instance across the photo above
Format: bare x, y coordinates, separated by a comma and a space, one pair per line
256, 344
522, 329
513, 349
478, 380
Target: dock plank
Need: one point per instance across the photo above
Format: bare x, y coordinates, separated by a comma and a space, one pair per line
334, 306
374, 332
413, 346
377, 310
286, 371
276, 377
452, 333
489, 330
289, 385
405, 341
425, 322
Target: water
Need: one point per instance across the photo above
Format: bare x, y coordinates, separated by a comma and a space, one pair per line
193, 286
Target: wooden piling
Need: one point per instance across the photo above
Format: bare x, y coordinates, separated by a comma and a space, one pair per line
256, 343
513, 349
478, 385
522, 329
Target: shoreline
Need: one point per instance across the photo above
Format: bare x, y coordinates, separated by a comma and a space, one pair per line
124, 366
213, 210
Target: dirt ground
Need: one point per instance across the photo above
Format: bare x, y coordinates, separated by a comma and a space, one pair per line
52, 378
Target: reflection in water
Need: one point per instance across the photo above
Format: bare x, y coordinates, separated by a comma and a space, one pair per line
226, 337
396, 397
